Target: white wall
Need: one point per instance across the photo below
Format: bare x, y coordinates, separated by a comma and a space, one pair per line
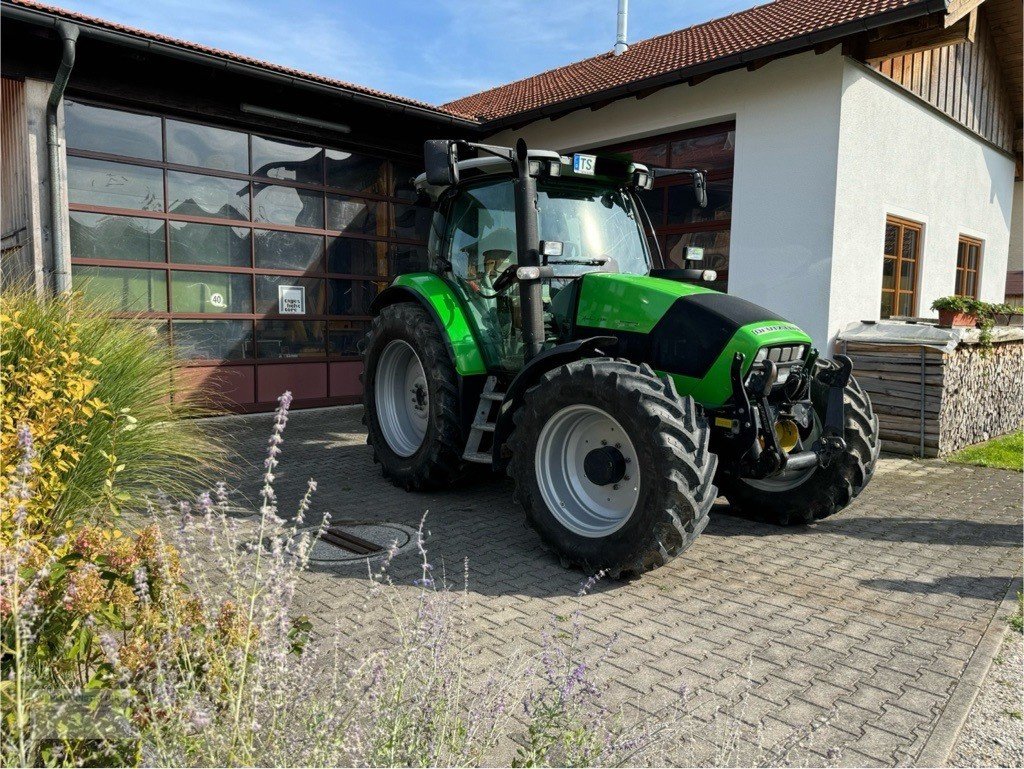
787, 135
897, 156
1016, 258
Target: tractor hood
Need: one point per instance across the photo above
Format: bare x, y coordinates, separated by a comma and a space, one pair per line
681, 329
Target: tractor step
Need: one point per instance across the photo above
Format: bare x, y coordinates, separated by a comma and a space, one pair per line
483, 425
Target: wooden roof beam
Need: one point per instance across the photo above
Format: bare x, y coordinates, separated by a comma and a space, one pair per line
957, 9
919, 35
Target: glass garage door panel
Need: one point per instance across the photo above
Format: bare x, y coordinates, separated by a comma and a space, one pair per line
355, 172
114, 132
289, 161
353, 297
289, 251
210, 292
199, 195
212, 339
192, 144
125, 238
356, 216
211, 244
290, 206
343, 336
120, 289
115, 185
277, 339
357, 256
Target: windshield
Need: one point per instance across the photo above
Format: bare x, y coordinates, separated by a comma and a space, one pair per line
591, 222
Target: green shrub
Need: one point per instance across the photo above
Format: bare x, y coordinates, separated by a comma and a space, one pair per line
103, 406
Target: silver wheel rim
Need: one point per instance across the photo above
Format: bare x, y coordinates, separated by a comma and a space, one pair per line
580, 505
788, 480
402, 398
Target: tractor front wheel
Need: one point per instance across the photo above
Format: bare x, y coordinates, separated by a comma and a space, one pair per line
410, 399
612, 466
806, 496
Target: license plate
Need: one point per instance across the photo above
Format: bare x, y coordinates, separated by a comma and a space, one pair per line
583, 164
694, 253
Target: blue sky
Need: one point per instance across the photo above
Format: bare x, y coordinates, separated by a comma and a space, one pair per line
433, 50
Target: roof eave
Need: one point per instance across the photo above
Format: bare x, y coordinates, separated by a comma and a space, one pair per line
790, 45
47, 19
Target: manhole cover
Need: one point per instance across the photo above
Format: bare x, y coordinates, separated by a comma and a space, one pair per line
355, 542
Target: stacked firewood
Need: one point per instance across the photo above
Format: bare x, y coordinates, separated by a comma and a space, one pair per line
930, 402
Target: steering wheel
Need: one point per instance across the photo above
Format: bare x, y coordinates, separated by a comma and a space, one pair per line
504, 280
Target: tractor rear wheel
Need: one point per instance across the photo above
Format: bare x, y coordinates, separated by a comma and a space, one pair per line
612, 466
804, 497
410, 399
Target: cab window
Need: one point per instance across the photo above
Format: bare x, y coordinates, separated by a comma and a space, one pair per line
482, 233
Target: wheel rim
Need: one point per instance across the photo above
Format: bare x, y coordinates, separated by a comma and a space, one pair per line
788, 480
402, 398
587, 501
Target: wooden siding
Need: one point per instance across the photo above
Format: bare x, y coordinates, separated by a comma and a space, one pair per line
13, 159
964, 80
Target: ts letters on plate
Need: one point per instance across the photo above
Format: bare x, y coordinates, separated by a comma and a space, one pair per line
583, 164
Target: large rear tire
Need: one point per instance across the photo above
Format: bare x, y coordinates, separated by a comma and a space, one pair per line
410, 399
612, 466
806, 497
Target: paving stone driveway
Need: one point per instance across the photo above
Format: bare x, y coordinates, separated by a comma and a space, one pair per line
865, 620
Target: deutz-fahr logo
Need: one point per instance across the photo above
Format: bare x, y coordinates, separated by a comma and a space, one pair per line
769, 329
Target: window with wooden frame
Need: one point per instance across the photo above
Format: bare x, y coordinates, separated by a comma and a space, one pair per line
900, 266
968, 267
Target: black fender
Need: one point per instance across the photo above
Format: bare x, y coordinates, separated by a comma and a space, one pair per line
594, 346
470, 387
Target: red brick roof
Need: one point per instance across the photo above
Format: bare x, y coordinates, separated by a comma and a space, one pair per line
82, 18
742, 32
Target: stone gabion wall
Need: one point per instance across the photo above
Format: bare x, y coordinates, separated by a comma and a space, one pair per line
982, 395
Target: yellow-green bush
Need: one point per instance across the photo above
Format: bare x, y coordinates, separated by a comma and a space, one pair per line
98, 396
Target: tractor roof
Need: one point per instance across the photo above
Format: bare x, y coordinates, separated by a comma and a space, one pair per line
609, 169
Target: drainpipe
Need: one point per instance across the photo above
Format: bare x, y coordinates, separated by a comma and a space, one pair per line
620, 36
62, 264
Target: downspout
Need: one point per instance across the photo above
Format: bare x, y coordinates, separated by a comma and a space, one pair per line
61, 260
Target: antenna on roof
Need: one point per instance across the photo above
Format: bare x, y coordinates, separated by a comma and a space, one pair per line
620, 36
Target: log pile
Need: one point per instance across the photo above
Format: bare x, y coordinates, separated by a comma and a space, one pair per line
930, 402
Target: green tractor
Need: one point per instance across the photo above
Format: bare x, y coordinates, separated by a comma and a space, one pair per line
547, 340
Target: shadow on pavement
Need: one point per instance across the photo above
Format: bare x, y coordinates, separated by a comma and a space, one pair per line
964, 586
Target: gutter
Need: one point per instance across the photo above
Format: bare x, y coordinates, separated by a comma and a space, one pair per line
790, 45
61, 253
46, 19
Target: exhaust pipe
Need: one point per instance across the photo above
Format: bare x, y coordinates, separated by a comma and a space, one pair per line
61, 265
620, 36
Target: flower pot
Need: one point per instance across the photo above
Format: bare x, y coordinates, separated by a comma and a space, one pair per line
954, 319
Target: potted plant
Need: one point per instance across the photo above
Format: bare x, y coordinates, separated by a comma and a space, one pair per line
957, 311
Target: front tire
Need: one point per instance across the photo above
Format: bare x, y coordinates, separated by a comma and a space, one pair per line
612, 466
410, 399
823, 491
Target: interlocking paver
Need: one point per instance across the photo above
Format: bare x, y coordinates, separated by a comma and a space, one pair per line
861, 622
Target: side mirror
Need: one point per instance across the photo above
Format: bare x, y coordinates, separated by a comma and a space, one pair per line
440, 157
700, 188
